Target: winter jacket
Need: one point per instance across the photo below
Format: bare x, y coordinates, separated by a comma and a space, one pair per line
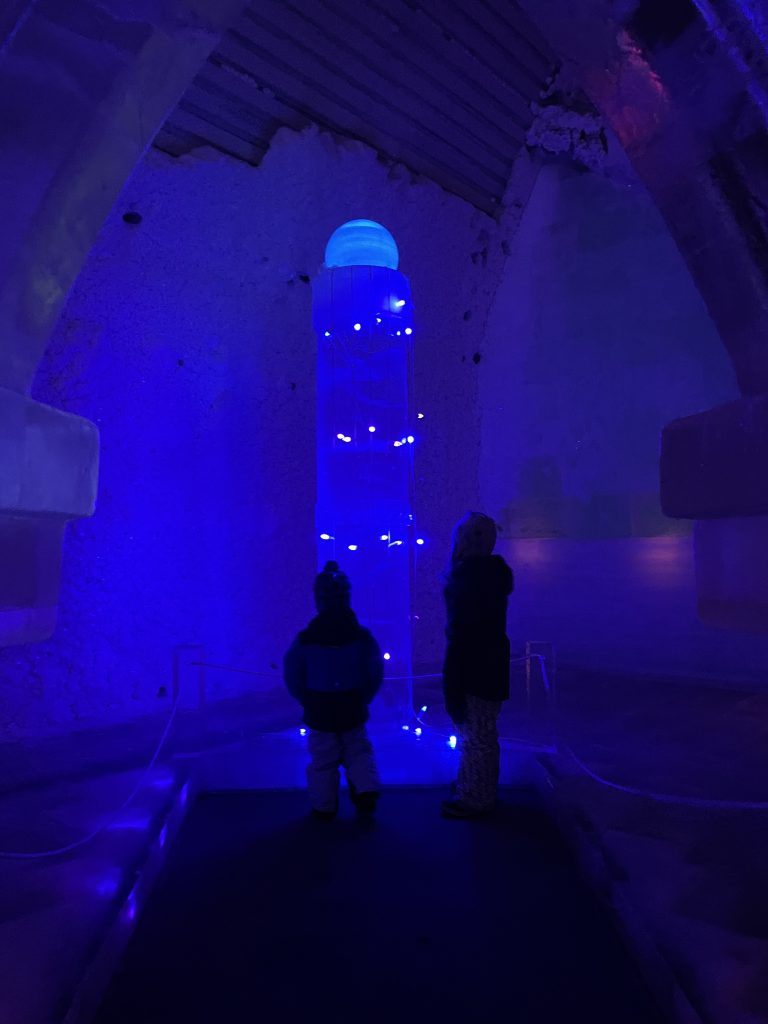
334, 669
477, 653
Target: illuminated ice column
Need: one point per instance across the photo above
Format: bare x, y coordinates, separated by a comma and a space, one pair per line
366, 433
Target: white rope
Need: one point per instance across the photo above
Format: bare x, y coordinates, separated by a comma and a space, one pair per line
57, 851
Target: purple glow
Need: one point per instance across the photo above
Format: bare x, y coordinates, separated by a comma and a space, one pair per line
136, 823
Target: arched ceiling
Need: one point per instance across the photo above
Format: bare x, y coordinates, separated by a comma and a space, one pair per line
445, 88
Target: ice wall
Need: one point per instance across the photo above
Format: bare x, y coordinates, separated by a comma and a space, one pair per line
188, 341
83, 87
597, 338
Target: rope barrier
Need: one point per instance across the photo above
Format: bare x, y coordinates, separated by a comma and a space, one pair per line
703, 803
57, 851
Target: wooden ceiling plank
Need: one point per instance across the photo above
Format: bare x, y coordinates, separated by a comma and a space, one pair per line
482, 46
192, 123
371, 101
175, 141
256, 123
493, 15
511, 12
416, 24
442, 108
272, 107
231, 54
322, 106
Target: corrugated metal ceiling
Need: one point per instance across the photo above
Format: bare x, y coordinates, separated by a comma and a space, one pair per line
443, 87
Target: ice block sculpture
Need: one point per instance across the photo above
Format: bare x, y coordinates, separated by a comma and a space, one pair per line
366, 434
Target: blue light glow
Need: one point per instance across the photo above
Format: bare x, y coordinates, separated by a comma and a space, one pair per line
410, 439
409, 330
130, 906
361, 243
452, 742
134, 823
325, 536
424, 707
387, 656
371, 430
358, 327
419, 540
417, 731
400, 303
326, 334
302, 731
406, 728
384, 536
108, 885
420, 415
352, 547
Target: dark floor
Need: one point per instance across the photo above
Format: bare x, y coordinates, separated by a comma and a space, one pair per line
263, 914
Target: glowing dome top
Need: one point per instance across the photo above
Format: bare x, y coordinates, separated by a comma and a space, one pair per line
361, 243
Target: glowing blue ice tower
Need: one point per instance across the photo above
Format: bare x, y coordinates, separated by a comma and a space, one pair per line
366, 434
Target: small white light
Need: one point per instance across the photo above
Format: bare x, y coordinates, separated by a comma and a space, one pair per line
419, 540
378, 319
347, 439
400, 303
398, 333
340, 436
452, 742
417, 731
357, 327
424, 707
410, 439
384, 536
325, 536
420, 415
409, 330
327, 334
371, 430
406, 728
398, 444
352, 547
395, 543
302, 732
387, 656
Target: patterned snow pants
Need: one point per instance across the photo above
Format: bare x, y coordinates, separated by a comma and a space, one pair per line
479, 763
330, 750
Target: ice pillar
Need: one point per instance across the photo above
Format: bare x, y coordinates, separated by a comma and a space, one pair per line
366, 434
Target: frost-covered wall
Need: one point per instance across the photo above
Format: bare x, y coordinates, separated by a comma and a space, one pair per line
597, 338
84, 85
188, 341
